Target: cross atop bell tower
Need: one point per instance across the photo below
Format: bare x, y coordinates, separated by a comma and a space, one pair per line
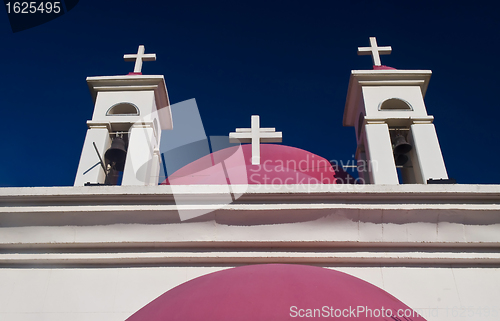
139, 57
396, 138
375, 51
123, 137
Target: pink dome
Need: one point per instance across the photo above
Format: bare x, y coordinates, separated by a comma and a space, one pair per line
279, 164
383, 67
275, 292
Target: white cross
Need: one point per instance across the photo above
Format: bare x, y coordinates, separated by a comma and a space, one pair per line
375, 51
255, 135
139, 57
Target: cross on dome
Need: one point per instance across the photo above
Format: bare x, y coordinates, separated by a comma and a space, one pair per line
375, 51
255, 135
139, 57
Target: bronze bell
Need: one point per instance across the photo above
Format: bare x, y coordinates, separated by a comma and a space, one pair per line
401, 146
400, 159
116, 154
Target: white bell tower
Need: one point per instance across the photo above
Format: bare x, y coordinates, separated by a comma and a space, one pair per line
133, 110
393, 130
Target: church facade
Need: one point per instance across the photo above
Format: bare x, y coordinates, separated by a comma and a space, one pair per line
109, 246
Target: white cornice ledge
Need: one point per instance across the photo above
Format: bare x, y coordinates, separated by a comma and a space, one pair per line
439, 190
256, 194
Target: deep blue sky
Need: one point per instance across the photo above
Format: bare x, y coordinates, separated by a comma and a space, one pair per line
288, 61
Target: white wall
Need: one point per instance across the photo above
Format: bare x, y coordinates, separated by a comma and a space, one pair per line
113, 294
375, 95
67, 253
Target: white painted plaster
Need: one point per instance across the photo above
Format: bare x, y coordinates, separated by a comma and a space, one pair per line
87, 293
379, 155
139, 163
374, 96
142, 99
427, 156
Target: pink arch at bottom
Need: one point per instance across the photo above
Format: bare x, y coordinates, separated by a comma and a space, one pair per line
276, 292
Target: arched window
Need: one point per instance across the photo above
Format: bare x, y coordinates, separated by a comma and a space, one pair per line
395, 104
123, 109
